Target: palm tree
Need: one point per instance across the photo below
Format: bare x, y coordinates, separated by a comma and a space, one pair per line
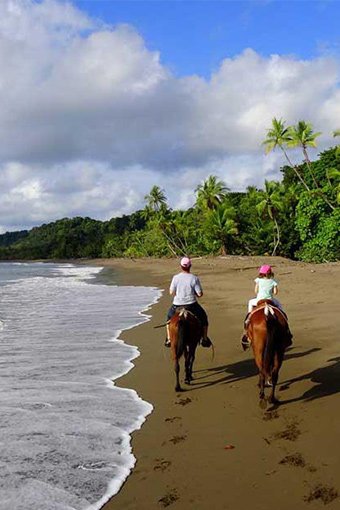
166, 223
222, 225
279, 136
211, 192
156, 199
270, 205
160, 217
302, 135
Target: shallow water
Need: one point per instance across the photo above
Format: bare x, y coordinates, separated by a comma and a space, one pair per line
65, 428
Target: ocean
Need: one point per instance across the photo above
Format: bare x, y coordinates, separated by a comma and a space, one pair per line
65, 427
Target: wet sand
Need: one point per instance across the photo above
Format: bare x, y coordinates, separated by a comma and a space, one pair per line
212, 446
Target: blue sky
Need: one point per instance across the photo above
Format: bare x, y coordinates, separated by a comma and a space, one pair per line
194, 36
101, 100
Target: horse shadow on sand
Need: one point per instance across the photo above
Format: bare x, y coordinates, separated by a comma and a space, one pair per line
326, 382
234, 372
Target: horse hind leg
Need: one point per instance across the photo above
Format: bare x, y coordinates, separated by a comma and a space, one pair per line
178, 386
262, 379
261, 383
275, 375
192, 359
188, 368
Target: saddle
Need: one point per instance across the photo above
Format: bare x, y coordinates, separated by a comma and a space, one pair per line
261, 305
182, 308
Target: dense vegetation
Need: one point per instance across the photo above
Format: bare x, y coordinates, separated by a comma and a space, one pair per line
298, 217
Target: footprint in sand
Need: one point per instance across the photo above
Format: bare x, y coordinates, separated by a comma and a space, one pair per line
311, 468
324, 493
177, 439
270, 415
290, 433
169, 498
174, 418
295, 459
184, 401
161, 465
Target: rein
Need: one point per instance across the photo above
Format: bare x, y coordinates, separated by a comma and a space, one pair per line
160, 326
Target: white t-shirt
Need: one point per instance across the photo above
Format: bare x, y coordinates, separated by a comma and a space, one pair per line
186, 287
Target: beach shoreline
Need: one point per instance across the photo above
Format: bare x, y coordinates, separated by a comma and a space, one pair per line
281, 458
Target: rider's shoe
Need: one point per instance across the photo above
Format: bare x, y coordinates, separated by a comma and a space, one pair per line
167, 342
206, 342
245, 342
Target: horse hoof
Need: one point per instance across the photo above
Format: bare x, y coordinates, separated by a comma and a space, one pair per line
187, 381
263, 403
178, 388
273, 401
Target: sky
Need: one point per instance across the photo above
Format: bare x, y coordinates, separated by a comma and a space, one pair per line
101, 100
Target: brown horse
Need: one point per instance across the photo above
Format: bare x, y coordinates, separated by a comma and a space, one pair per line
269, 334
185, 334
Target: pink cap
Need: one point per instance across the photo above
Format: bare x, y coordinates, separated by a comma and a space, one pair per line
265, 269
185, 262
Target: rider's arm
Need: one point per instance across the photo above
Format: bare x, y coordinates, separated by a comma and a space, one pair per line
256, 288
275, 290
172, 289
198, 288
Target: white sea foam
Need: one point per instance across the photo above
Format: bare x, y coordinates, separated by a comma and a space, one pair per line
65, 426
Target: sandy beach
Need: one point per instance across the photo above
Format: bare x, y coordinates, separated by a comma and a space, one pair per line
212, 446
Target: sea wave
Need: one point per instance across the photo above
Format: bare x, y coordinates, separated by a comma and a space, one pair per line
65, 425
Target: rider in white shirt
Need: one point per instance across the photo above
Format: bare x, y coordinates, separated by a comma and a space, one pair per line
186, 288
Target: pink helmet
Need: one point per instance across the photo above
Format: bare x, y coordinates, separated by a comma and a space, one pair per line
185, 262
265, 269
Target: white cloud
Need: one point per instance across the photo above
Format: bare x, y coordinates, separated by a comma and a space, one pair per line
90, 119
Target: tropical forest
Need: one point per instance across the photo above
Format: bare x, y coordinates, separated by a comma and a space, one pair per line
296, 217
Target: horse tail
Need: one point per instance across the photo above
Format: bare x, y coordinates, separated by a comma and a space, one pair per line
181, 338
269, 351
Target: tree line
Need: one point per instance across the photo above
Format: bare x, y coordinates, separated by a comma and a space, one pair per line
297, 217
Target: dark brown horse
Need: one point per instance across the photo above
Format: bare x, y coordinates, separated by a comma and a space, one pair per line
269, 334
185, 334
